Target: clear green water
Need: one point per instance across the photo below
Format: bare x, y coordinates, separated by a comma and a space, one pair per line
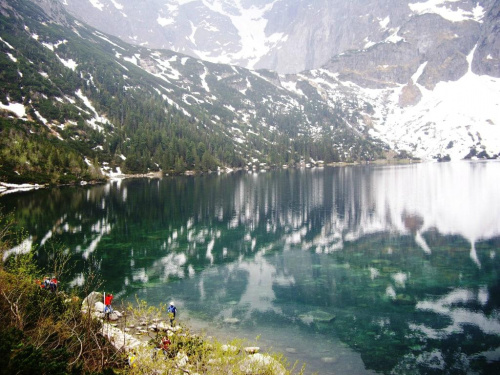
352, 270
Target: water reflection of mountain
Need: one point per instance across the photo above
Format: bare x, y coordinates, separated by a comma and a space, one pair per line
399, 262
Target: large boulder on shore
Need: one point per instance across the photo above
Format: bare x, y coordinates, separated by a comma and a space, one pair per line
89, 303
93, 304
261, 364
119, 339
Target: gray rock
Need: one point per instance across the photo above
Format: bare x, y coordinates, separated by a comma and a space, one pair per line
91, 300
261, 364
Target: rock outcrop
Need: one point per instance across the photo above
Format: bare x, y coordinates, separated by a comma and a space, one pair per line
93, 304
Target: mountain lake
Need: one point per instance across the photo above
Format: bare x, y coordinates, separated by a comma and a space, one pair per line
351, 270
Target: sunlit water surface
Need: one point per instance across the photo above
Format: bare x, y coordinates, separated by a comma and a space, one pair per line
352, 270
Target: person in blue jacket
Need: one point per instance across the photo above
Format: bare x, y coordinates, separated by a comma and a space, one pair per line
172, 311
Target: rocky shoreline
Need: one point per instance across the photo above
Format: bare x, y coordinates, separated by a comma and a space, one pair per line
132, 336
8, 188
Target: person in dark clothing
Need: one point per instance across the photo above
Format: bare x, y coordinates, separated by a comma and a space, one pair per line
53, 284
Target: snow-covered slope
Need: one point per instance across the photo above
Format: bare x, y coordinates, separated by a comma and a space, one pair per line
220, 31
454, 119
457, 119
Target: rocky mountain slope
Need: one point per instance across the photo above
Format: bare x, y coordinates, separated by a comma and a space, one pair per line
429, 69
75, 102
289, 36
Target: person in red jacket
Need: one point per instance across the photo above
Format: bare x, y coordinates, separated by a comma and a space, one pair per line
107, 305
165, 343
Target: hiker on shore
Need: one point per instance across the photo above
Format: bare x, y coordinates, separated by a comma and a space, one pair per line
53, 284
132, 357
172, 311
165, 343
107, 305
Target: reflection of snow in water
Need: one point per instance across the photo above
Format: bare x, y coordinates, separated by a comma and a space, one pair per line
101, 228
374, 273
140, 275
390, 292
421, 242
458, 315
23, 248
259, 293
78, 280
400, 279
432, 359
457, 198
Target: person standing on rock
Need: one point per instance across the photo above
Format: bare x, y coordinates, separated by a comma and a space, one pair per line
172, 311
107, 305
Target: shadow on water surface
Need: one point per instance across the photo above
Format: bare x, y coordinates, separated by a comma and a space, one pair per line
353, 270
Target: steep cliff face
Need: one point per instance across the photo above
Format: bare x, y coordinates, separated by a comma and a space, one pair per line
295, 35
424, 36
487, 55
286, 36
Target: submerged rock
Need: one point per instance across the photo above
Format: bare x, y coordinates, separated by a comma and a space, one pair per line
317, 316
329, 359
404, 299
231, 320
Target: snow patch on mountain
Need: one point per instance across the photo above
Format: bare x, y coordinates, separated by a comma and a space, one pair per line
162, 21
105, 38
7, 44
384, 22
450, 120
203, 78
179, 2
70, 63
16, 108
117, 4
250, 24
394, 37
97, 119
292, 87
11, 57
441, 8
97, 4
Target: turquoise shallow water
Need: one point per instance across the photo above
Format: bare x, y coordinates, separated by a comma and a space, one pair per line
355, 270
